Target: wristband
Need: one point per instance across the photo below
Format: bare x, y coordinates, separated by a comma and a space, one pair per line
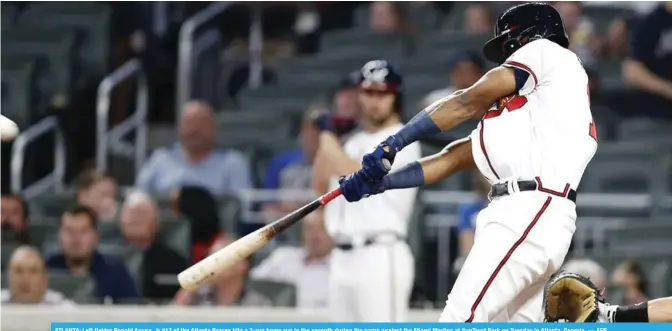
635, 313
418, 127
410, 175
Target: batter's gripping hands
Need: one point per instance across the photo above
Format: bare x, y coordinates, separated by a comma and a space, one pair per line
571, 297
377, 164
356, 186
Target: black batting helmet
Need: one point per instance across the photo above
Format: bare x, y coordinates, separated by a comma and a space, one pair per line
521, 24
380, 75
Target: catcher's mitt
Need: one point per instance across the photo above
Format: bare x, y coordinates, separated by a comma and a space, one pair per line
571, 297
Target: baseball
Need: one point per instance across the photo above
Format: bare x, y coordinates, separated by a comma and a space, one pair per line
8, 129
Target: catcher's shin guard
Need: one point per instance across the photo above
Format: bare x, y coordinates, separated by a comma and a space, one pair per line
571, 297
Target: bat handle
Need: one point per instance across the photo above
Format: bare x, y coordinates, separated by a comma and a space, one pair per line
333, 194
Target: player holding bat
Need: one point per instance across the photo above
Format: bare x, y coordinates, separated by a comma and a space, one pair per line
534, 141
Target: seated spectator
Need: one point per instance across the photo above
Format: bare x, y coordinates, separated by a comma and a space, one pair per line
581, 31
590, 269
478, 19
306, 267
78, 237
227, 289
194, 160
29, 282
98, 191
616, 39
387, 16
293, 169
466, 68
630, 278
648, 68
14, 219
139, 226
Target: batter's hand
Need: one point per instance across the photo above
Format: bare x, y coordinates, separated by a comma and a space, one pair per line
377, 164
356, 186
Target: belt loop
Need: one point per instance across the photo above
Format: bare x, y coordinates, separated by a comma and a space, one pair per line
509, 186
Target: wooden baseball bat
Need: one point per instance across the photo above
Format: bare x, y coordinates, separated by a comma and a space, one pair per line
240, 249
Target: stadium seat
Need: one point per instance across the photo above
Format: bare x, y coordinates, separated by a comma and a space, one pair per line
333, 41
51, 204
646, 130
78, 288
229, 213
42, 232
6, 252
17, 92
280, 294
92, 18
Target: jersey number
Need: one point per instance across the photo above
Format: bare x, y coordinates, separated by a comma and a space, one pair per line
509, 103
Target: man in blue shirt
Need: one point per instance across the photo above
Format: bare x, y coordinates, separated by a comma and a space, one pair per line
649, 66
194, 161
78, 238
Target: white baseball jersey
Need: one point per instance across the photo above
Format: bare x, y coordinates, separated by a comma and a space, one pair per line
378, 214
544, 130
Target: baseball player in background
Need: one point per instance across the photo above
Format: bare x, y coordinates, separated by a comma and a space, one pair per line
372, 267
534, 141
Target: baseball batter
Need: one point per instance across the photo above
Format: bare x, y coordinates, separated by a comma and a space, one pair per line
372, 267
534, 141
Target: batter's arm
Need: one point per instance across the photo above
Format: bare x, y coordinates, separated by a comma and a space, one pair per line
455, 157
459, 107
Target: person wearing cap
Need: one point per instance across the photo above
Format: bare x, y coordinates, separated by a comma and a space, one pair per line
371, 266
465, 69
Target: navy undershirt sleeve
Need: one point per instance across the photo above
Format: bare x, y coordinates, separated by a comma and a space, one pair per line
521, 77
421, 126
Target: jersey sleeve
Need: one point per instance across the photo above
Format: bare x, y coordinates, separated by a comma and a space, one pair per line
528, 62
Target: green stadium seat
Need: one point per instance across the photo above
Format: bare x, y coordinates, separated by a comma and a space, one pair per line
229, 213
51, 204
6, 252
78, 288
92, 18
42, 233
280, 294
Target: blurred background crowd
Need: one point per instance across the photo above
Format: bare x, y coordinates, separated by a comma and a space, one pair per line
157, 132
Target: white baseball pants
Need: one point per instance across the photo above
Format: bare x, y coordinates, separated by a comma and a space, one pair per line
520, 240
371, 283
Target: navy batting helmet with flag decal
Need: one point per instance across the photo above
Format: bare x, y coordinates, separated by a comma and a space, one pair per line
521, 24
380, 75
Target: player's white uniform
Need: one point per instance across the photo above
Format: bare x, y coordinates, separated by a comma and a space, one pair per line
372, 283
544, 133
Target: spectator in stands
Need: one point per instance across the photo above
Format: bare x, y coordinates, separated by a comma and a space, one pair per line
616, 39
195, 161
78, 237
306, 267
590, 269
139, 226
478, 19
293, 169
388, 16
98, 191
648, 67
14, 219
229, 289
29, 282
630, 278
582, 38
466, 68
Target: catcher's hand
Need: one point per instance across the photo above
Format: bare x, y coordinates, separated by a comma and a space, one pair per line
572, 298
